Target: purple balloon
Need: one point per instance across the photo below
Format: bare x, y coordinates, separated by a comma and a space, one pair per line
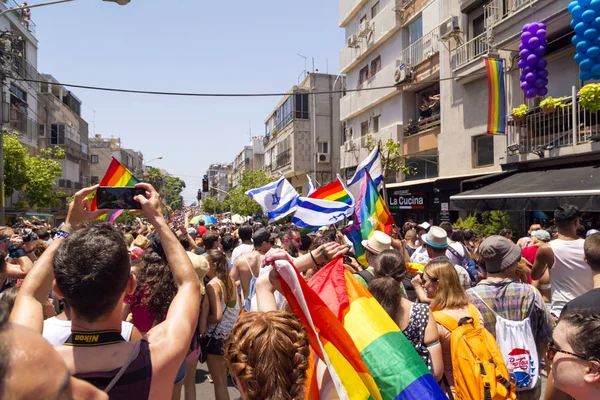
526, 27
539, 83
541, 25
522, 46
528, 69
540, 51
543, 91
525, 37
533, 43
542, 73
541, 64
545, 81
531, 93
525, 86
533, 28
522, 63
525, 53
532, 59
541, 34
530, 77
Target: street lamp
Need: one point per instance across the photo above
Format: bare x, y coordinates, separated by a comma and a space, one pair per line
154, 159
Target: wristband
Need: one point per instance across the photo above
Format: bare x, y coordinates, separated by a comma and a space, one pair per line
67, 229
313, 259
62, 233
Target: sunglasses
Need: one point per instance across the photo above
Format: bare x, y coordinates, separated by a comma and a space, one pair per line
553, 349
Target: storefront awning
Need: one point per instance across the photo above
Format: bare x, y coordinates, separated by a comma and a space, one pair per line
535, 190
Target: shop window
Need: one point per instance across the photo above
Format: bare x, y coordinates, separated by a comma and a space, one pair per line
483, 149
422, 166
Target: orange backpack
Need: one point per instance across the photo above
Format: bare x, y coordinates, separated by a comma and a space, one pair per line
477, 364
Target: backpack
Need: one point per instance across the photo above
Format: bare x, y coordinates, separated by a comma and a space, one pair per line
516, 341
476, 273
477, 364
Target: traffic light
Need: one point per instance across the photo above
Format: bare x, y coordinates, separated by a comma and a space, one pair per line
199, 196
205, 185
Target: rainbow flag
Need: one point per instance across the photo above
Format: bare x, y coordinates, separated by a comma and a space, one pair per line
366, 354
116, 175
496, 96
370, 215
335, 191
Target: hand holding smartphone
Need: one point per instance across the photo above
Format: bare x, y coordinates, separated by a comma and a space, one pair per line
118, 198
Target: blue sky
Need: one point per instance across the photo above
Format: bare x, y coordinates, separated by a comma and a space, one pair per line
184, 46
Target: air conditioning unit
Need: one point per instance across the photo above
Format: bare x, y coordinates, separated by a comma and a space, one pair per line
451, 26
403, 73
364, 28
353, 41
323, 158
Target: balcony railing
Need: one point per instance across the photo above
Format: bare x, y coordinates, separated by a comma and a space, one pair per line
26, 70
20, 122
473, 49
18, 15
422, 49
567, 125
497, 10
282, 159
424, 125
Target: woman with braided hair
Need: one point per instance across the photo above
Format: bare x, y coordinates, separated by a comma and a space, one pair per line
268, 356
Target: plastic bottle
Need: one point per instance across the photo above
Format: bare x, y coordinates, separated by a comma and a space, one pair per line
513, 379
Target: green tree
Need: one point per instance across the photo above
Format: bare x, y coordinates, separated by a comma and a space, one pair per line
241, 203
155, 177
212, 205
391, 156
489, 223
171, 192
33, 175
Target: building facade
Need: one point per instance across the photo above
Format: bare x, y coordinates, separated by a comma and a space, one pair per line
102, 150
219, 180
250, 157
303, 133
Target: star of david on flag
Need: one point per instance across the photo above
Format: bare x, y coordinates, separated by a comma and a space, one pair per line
277, 199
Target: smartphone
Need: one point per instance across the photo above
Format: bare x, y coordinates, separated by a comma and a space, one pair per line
118, 198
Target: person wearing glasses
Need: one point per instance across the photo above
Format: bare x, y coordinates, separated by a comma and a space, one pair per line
575, 353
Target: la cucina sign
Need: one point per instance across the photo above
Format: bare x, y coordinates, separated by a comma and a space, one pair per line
407, 201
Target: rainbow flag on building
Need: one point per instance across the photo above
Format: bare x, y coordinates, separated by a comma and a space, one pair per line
496, 96
371, 214
366, 354
116, 175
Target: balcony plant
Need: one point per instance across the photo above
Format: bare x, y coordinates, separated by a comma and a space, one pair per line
589, 96
520, 112
550, 104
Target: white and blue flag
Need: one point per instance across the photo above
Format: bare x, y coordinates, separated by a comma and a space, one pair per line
372, 164
317, 212
277, 199
311, 186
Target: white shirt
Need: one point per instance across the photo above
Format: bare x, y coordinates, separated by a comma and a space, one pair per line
460, 249
420, 256
240, 251
570, 276
56, 331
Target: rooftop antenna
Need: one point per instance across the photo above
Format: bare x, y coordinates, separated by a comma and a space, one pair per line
303, 72
250, 130
94, 123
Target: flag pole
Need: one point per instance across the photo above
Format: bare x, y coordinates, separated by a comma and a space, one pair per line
385, 196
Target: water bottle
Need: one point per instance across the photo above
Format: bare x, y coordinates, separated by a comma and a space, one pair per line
513, 379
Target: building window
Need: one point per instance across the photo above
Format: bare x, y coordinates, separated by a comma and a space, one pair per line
57, 134
415, 30
422, 166
94, 180
375, 10
478, 26
323, 147
301, 106
364, 128
375, 66
363, 18
376, 123
94, 159
363, 75
483, 150
42, 130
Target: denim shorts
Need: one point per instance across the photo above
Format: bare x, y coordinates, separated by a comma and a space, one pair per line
181, 373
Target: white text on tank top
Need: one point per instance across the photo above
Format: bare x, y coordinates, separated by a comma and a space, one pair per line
570, 276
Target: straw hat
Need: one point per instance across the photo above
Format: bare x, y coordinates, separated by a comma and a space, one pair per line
201, 267
378, 242
436, 238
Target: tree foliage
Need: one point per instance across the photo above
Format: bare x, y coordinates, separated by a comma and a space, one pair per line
155, 177
238, 201
171, 192
212, 205
34, 176
391, 156
489, 223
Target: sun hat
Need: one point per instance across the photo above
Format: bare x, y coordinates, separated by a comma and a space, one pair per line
436, 238
423, 225
378, 242
201, 267
499, 253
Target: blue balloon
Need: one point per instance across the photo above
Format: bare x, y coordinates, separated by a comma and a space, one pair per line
581, 27
540, 51
596, 23
594, 5
584, 3
583, 46
576, 39
541, 64
542, 74
586, 64
570, 7
532, 59
533, 43
585, 75
595, 71
577, 11
590, 34
578, 57
593, 52
588, 16
543, 91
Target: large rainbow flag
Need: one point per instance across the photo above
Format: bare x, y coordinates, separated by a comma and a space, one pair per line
366, 354
116, 175
335, 191
370, 215
496, 96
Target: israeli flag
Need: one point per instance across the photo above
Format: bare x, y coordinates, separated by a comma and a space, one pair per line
277, 199
317, 212
371, 164
311, 186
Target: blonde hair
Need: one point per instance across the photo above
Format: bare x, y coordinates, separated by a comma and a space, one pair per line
269, 352
449, 293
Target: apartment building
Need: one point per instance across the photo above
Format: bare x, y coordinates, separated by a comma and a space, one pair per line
303, 133
252, 156
553, 153
219, 180
102, 150
20, 102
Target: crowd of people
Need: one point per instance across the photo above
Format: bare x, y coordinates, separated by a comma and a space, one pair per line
92, 310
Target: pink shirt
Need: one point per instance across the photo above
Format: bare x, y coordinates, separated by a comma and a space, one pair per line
143, 318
